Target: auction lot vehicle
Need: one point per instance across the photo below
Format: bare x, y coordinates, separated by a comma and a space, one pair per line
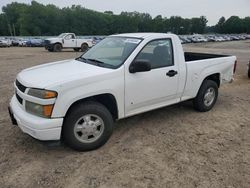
5, 42
67, 40
35, 42
78, 100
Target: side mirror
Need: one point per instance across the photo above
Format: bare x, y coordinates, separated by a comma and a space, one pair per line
140, 65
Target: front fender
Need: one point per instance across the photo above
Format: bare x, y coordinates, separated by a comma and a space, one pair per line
68, 96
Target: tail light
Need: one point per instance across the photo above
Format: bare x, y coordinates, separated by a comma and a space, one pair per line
235, 65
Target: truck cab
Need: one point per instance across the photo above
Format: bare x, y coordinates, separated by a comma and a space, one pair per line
69, 40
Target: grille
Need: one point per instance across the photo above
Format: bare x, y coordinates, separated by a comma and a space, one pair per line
20, 100
20, 86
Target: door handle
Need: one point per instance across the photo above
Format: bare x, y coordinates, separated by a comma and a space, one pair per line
171, 73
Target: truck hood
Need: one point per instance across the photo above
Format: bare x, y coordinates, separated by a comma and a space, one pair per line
58, 73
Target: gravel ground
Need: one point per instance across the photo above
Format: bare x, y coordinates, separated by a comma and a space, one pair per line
170, 147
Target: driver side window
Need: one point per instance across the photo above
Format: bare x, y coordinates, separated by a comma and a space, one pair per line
70, 36
158, 52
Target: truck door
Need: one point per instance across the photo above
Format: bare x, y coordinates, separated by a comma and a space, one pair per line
69, 41
156, 88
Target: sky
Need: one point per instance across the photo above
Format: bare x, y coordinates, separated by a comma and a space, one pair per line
212, 9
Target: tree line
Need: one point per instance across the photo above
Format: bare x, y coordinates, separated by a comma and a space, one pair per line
19, 19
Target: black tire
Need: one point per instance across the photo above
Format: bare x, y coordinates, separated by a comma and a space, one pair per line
50, 50
84, 47
76, 49
74, 116
200, 102
57, 48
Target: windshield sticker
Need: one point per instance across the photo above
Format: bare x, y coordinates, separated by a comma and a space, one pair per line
135, 41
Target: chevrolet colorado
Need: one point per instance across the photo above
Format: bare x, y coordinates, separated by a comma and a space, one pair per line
78, 100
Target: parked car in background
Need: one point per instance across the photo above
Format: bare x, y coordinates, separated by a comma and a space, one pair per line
182, 40
4, 42
199, 38
212, 38
242, 37
219, 39
186, 39
15, 42
226, 38
67, 40
235, 37
35, 42
22, 42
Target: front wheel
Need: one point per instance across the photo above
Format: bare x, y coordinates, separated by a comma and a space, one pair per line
87, 126
207, 96
57, 48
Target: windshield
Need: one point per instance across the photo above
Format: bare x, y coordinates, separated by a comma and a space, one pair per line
62, 35
111, 52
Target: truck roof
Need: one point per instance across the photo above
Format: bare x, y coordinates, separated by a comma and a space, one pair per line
144, 35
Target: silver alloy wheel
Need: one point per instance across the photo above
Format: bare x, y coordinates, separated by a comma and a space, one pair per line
209, 96
88, 128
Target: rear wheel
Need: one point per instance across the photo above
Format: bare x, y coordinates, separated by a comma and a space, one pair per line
207, 96
57, 48
87, 126
84, 47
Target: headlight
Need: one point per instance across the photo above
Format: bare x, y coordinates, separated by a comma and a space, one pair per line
42, 94
39, 110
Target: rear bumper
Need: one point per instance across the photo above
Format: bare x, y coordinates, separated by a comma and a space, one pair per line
37, 127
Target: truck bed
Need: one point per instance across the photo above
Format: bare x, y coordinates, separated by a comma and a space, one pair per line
200, 65
193, 56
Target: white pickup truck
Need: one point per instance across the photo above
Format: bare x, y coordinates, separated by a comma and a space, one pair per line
67, 40
78, 100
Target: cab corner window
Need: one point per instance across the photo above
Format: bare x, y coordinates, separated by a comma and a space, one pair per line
158, 52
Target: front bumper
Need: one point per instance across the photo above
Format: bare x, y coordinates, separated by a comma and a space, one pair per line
48, 46
37, 127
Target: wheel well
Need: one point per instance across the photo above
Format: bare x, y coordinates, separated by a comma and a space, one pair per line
108, 100
57, 43
215, 78
85, 44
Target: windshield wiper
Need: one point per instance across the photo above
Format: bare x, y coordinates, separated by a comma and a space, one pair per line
81, 59
96, 61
